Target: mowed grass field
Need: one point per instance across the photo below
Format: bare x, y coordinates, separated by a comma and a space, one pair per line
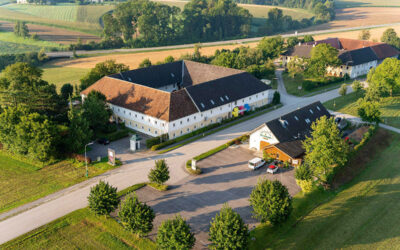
363, 214
390, 107
22, 182
61, 75
11, 44
366, 3
81, 18
81, 229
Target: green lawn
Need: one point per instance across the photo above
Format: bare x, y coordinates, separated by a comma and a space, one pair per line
292, 86
84, 18
62, 75
364, 214
12, 44
366, 3
81, 230
22, 182
390, 107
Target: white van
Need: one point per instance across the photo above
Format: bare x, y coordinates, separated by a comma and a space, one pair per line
256, 163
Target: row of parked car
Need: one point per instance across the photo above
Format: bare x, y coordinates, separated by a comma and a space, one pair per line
257, 162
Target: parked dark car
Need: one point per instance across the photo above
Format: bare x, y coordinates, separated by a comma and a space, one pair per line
103, 141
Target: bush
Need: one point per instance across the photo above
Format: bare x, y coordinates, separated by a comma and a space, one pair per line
356, 86
135, 216
228, 231
175, 234
160, 173
343, 90
156, 140
276, 99
303, 173
306, 185
271, 201
103, 198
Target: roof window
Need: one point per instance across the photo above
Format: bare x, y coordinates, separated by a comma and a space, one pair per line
202, 105
318, 108
311, 111
226, 97
222, 99
308, 121
212, 102
295, 117
130, 79
284, 123
172, 74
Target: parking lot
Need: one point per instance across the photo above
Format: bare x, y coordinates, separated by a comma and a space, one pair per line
226, 178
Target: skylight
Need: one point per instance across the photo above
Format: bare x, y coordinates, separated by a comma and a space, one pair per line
308, 121
202, 105
318, 108
212, 102
311, 111
172, 74
226, 97
295, 117
222, 99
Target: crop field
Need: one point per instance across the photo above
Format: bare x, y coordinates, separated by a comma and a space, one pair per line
82, 18
366, 3
22, 182
10, 44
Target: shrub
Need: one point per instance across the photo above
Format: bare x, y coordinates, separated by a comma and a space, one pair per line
228, 231
160, 173
135, 216
356, 86
343, 90
271, 201
369, 111
156, 140
103, 198
276, 99
175, 234
303, 177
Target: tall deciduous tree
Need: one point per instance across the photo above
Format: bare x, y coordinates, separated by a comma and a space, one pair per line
105, 68
389, 36
322, 56
386, 76
79, 133
96, 111
228, 231
369, 111
271, 47
175, 234
364, 35
271, 201
325, 148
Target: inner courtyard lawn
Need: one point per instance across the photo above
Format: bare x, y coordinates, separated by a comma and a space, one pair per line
363, 214
390, 107
22, 182
81, 229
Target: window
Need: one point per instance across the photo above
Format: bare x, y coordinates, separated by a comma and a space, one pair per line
124, 111
181, 131
187, 119
194, 126
173, 124
227, 98
308, 120
181, 122
130, 123
142, 127
155, 122
202, 105
311, 111
149, 130
142, 118
130, 113
149, 119
318, 108
135, 115
222, 99
118, 109
256, 96
212, 102
220, 108
187, 129
295, 117
194, 117
155, 131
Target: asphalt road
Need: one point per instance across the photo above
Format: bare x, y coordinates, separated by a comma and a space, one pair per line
64, 54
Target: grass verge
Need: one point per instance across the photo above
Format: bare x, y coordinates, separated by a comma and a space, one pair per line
389, 107
159, 187
222, 127
22, 182
361, 214
82, 229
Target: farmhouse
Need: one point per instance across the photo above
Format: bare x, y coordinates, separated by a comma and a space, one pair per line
282, 138
357, 56
179, 97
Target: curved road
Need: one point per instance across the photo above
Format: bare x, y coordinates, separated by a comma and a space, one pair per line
135, 170
63, 54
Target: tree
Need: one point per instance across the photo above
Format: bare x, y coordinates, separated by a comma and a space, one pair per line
308, 38
389, 36
304, 178
159, 174
322, 56
169, 59
228, 231
135, 216
295, 66
276, 99
271, 201
79, 133
103, 198
271, 47
102, 69
175, 234
357, 86
96, 111
111, 28
67, 91
386, 76
145, 63
325, 148
364, 35
369, 111
343, 89
21, 29
292, 41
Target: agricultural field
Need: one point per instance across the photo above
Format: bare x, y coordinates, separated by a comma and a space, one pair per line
362, 214
366, 3
81, 229
61, 75
10, 44
84, 18
390, 107
22, 182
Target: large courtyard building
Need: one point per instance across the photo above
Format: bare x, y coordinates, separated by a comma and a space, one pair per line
179, 97
357, 56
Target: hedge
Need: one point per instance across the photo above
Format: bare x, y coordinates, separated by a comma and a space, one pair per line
116, 135
310, 85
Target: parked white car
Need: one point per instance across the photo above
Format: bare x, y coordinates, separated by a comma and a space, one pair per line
272, 169
256, 163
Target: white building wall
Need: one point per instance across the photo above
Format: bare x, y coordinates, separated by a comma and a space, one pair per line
262, 134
